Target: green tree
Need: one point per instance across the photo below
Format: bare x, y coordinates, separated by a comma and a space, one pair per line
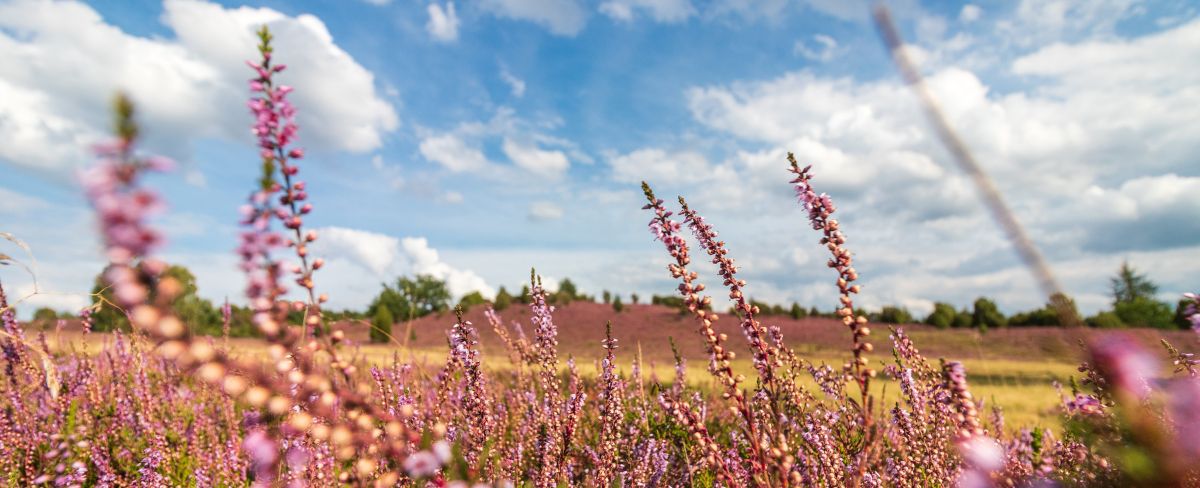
942, 316
395, 301
607, 297
633, 298
1129, 285
45, 315
566, 292
797, 312
1105, 320
987, 315
197, 313
526, 295
503, 299
381, 325
1048, 315
1145, 312
1134, 302
426, 294
617, 305
895, 315
962, 319
471, 299
412, 298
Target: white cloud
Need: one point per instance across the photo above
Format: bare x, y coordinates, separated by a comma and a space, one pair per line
658, 165
375, 252
453, 153
1039, 21
536, 160
424, 260
387, 257
443, 22
560, 17
16, 203
60, 64
541, 211
970, 13
825, 50
1095, 156
515, 85
666, 11
524, 142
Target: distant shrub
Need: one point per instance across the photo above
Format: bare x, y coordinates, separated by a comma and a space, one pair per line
503, 299
963, 320
1105, 320
942, 316
471, 299
46, 315
1145, 312
381, 325
987, 315
797, 312
894, 315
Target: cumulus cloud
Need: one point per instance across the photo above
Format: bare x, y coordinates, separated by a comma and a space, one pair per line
60, 63
525, 143
667, 11
541, 211
657, 164
386, 257
536, 160
560, 17
443, 22
1094, 155
1147, 213
452, 152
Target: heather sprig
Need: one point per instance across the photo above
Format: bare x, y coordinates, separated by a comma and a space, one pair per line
764, 355
820, 212
275, 127
667, 230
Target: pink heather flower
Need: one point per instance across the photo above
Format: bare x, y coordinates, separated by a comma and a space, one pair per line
1085, 404
421, 464
1183, 406
261, 448
1125, 365
983, 452
1192, 310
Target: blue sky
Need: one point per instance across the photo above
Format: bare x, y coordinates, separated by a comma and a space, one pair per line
473, 140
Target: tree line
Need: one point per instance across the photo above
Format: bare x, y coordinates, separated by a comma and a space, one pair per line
408, 298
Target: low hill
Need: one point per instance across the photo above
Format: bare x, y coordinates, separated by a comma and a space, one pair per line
581, 328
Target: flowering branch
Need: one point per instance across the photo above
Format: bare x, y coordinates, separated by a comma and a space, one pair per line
275, 127
820, 210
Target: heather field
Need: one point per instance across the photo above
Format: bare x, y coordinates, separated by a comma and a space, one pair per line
441, 381
1013, 369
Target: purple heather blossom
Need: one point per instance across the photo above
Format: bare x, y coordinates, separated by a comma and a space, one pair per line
1192, 310
1125, 364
